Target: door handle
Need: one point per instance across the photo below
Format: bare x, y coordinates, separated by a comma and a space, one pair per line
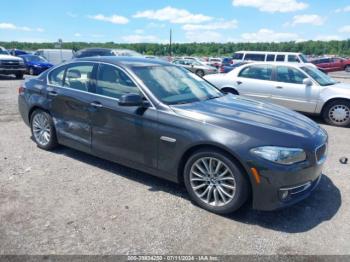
238, 82
96, 104
279, 87
52, 93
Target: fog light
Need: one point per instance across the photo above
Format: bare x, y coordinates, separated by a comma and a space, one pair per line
284, 194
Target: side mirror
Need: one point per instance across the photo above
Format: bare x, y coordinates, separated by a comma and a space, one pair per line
131, 100
307, 82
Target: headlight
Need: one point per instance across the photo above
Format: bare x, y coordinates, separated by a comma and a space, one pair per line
280, 155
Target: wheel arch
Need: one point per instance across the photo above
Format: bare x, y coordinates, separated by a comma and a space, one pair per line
332, 100
36, 107
228, 89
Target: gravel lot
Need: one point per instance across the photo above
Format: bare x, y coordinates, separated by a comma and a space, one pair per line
67, 202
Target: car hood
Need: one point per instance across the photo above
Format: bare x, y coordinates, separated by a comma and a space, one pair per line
341, 87
229, 110
9, 57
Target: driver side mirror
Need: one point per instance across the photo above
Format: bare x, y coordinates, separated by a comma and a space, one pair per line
307, 82
131, 100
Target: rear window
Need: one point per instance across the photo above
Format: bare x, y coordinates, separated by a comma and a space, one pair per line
261, 72
255, 57
280, 58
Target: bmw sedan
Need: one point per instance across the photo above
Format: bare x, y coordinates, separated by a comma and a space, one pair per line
300, 87
164, 120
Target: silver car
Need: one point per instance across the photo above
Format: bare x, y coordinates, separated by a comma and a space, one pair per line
196, 67
297, 86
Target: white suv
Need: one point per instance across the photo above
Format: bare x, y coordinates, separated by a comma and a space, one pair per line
11, 65
297, 86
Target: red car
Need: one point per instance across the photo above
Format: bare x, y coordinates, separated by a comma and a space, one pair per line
332, 64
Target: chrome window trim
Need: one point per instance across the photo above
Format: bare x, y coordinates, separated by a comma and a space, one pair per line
87, 92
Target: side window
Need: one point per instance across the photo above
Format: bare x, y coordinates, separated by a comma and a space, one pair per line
280, 58
270, 57
255, 57
113, 82
56, 76
238, 56
78, 76
293, 59
289, 75
261, 72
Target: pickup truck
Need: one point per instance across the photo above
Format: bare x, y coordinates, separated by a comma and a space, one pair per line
11, 65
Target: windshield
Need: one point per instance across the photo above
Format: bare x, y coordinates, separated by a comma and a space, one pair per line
34, 58
303, 58
3, 52
175, 85
320, 77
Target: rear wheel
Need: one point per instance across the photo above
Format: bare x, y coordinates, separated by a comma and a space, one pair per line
43, 130
19, 76
337, 113
215, 182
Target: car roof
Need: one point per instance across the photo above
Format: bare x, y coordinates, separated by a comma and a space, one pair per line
95, 49
124, 61
268, 52
280, 64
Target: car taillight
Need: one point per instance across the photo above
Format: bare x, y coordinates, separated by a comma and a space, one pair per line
21, 90
222, 70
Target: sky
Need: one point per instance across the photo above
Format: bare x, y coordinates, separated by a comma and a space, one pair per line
134, 21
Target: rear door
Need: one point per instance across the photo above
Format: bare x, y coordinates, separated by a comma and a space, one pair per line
68, 93
289, 90
255, 81
125, 134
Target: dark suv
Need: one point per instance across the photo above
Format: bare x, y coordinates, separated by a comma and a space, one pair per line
167, 121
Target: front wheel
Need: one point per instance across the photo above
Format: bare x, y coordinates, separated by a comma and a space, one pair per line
31, 71
215, 182
43, 130
337, 113
347, 68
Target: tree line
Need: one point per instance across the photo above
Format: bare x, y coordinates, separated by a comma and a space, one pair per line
341, 48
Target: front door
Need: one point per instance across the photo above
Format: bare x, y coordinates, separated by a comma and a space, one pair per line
289, 90
126, 134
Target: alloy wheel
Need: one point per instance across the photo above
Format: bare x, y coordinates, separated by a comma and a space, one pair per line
41, 129
212, 181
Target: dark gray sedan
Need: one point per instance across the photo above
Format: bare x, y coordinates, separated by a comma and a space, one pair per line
164, 120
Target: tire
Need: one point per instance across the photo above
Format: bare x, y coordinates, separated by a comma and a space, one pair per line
31, 71
337, 113
234, 177
229, 91
38, 121
347, 68
200, 73
19, 76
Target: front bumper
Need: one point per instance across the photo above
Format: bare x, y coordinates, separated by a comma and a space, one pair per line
10, 71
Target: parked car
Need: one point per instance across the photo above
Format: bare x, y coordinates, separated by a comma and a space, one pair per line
331, 64
11, 65
55, 56
227, 61
90, 52
215, 62
162, 119
262, 56
196, 67
17, 52
228, 68
35, 65
296, 86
